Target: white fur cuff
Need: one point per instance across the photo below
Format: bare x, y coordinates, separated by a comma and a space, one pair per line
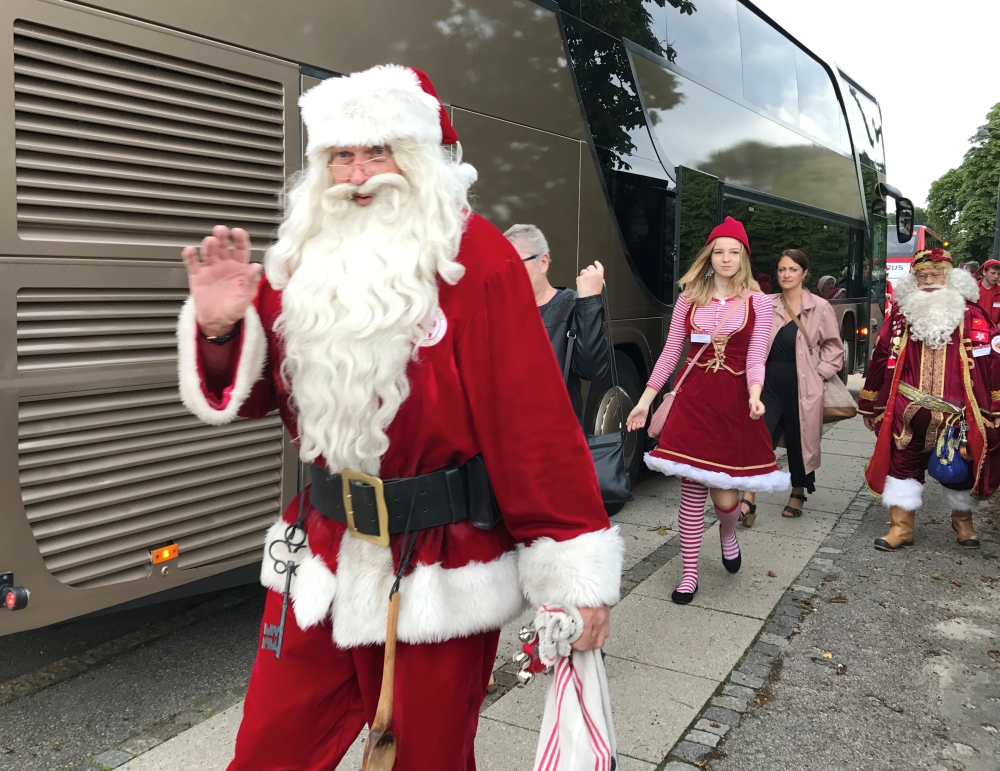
252, 353
908, 494
759, 483
959, 500
583, 572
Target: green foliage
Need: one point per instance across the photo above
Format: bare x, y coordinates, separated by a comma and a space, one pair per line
962, 203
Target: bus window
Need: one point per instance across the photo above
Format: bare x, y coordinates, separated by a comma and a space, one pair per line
772, 230
644, 208
707, 43
768, 67
699, 203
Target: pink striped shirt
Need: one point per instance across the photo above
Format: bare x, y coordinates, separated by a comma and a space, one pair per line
707, 317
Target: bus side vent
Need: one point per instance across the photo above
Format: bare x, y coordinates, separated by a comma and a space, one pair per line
107, 478
117, 144
59, 328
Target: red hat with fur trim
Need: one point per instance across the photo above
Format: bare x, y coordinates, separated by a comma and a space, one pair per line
730, 228
375, 107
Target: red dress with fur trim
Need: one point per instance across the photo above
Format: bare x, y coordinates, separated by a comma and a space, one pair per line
486, 381
709, 435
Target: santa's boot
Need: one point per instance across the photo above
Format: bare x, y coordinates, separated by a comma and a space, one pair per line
900, 532
961, 523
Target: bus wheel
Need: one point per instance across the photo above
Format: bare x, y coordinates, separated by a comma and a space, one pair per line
607, 407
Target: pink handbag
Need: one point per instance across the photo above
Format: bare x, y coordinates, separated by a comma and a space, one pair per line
659, 418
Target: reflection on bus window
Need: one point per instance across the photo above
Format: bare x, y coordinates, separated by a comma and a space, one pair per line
706, 43
768, 67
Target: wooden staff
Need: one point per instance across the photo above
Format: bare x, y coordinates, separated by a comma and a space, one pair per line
380, 747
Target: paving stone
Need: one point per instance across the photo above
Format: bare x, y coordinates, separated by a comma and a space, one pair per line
702, 737
730, 702
748, 680
757, 660
782, 630
821, 561
113, 758
768, 649
738, 691
719, 729
772, 639
86, 767
802, 589
691, 751
828, 550
722, 715
676, 766
754, 669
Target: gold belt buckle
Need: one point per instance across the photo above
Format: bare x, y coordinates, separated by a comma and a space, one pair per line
346, 477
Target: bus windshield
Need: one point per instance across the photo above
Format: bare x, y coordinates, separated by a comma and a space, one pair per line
896, 249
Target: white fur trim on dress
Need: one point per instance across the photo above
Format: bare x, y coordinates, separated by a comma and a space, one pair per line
908, 494
584, 572
368, 108
760, 483
253, 355
959, 500
436, 604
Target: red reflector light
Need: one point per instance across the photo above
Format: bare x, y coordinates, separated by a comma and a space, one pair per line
10, 599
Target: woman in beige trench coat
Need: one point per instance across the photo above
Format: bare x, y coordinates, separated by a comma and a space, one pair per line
793, 385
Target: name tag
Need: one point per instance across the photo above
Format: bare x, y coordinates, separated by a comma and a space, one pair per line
996, 304
983, 351
697, 337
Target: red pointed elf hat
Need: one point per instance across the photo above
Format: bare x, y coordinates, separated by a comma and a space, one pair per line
730, 228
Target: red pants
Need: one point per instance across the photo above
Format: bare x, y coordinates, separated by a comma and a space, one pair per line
304, 711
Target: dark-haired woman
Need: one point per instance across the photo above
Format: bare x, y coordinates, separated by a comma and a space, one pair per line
793, 379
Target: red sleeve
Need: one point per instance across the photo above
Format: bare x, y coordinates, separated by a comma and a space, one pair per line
875, 376
247, 390
538, 460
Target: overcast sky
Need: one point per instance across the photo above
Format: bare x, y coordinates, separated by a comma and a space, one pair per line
933, 65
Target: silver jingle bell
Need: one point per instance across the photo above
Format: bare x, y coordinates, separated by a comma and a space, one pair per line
521, 658
527, 635
524, 677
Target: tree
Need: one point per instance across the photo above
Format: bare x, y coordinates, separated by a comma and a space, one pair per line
962, 202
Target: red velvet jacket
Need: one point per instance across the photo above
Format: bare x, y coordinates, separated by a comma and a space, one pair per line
490, 384
971, 378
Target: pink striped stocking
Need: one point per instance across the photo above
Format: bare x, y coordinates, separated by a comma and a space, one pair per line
691, 524
727, 531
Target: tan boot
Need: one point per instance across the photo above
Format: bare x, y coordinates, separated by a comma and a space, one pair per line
900, 533
961, 523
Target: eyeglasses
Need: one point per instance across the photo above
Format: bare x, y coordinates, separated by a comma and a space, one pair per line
532, 257
376, 161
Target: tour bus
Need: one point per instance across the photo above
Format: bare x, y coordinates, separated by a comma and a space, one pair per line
134, 126
899, 256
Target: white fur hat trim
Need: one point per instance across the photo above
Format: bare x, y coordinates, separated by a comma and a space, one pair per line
373, 107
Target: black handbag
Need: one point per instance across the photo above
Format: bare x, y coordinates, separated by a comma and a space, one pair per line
606, 450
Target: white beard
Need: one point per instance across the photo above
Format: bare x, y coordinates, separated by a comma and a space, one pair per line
352, 312
934, 316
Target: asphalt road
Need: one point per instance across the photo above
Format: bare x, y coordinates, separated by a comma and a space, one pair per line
919, 636
202, 650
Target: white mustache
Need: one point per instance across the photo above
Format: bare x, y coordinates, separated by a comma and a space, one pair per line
345, 191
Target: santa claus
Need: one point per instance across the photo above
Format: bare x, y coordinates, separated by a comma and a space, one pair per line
932, 389
397, 334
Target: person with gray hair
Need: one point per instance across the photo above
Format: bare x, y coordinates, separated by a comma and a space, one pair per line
564, 310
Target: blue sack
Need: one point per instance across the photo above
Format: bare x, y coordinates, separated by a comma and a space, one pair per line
946, 464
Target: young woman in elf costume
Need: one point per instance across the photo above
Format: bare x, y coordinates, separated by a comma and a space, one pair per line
713, 438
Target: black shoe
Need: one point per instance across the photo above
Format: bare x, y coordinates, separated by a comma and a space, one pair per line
733, 565
683, 598
883, 545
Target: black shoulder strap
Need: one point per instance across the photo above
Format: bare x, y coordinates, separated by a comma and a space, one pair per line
571, 342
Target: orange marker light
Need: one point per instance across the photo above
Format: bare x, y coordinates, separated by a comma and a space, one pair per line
165, 553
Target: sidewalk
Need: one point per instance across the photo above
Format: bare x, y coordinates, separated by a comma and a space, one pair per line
664, 661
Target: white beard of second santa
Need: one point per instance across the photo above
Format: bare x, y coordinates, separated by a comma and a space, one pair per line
932, 316
352, 311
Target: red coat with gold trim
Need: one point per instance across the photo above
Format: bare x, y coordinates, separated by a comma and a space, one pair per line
488, 383
971, 378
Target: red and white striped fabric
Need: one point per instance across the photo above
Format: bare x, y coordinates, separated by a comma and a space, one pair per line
578, 733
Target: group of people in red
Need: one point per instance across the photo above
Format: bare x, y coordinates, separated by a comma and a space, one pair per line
398, 335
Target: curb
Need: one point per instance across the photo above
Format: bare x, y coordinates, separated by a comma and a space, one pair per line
750, 680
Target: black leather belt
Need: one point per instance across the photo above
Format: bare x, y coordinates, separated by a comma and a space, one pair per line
373, 508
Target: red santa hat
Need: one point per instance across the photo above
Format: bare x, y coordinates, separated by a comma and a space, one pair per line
375, 107
730, 228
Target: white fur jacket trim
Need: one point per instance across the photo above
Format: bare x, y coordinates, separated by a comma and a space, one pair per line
437, 604
253, 356
760, 483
